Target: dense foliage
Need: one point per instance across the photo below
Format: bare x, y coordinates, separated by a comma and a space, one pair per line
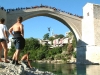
39, 51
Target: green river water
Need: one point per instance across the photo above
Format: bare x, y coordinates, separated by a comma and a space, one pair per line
68, 69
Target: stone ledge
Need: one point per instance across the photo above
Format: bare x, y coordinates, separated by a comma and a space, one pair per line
11, 69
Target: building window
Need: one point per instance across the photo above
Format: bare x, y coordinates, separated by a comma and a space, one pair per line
88, 14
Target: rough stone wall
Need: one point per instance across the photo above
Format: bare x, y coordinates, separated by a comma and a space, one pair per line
3, 15
87, 25
96, 12
89, 52
91, 24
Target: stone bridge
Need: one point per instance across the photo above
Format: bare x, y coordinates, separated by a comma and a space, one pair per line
85, 29
71, 21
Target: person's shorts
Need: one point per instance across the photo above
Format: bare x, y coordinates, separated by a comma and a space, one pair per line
25, 62
1, 40
19, 43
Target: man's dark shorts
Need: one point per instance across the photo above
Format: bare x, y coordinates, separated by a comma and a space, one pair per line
19, 43
25, 62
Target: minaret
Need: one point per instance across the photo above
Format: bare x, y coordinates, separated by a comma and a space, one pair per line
52, 33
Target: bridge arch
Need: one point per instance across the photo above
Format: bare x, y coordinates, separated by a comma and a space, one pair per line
71, 21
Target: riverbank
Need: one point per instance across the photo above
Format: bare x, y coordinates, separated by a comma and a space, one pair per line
72, 60
55, 61
11, 69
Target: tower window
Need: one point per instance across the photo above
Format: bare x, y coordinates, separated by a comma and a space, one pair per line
88, 14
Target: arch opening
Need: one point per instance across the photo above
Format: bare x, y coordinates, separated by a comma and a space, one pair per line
55, 18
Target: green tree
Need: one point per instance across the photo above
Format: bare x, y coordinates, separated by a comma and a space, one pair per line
31, 43
60, 36
46, 36
70, 35
51, 39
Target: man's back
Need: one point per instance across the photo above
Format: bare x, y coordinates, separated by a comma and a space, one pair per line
17, 27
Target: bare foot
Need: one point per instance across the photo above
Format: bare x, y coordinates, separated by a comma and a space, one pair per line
6, 61
1, 60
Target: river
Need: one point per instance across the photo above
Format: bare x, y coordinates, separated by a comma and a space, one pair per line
68, 69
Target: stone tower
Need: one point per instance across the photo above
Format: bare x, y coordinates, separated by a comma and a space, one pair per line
89, 52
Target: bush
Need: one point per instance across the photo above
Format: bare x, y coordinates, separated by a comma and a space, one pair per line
74, 54
11, 51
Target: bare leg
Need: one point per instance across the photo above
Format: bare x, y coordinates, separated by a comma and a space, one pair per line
29, 64
17, 54
4, 45
0, 52
14, 56
17, 57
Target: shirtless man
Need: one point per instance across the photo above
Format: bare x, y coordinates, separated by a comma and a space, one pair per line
26, 60
17, 32
3, 40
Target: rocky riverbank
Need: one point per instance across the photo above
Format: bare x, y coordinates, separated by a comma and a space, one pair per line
11, 69
72, 60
